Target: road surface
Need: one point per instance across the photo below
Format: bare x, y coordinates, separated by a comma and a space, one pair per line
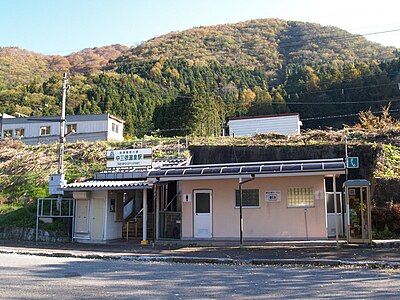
36, 277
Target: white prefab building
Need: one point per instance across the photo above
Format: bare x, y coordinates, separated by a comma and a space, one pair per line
45, 130
249, 126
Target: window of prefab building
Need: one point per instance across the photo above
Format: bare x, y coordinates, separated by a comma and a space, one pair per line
250, 198
44, 130
300, 197
114, 127
72, 128
7, 133
20, 132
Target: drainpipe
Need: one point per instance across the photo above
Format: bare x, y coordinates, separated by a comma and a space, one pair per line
241, 182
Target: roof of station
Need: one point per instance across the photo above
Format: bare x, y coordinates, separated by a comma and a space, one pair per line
107, 185
255, 169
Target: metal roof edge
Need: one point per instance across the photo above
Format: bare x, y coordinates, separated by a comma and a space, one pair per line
328, 160
264, 116
249, 175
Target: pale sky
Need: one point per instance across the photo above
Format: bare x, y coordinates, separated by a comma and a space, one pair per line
65, 26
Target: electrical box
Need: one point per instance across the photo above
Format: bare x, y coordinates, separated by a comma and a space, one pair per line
56, 184
273, 196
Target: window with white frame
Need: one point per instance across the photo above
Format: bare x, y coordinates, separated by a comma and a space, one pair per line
300, 197
19, 132
45, 130
250, 198
114, 127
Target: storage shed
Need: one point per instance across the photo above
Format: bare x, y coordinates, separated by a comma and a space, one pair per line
248, 126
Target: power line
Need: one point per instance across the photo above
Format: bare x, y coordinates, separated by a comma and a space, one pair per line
342, 102
344, 116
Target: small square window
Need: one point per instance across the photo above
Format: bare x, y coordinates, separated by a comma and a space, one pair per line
300, 197
7, 133
19, 133
72, 128
45, 130
115, 127
250, 198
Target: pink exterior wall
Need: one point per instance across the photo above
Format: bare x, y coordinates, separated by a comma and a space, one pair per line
270, 220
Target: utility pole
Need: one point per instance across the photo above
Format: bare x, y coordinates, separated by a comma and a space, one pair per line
62, 127
62, 137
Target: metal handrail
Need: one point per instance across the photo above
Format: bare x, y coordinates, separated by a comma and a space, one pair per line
139, 212
127, 224
170, 202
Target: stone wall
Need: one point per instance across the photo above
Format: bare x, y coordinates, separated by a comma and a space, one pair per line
29, 234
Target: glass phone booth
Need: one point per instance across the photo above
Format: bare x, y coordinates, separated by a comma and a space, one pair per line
358, 209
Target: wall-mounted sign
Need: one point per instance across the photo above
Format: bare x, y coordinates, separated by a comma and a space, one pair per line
352, 162
273, 196
129, 158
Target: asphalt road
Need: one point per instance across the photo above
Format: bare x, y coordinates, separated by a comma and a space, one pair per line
35, 277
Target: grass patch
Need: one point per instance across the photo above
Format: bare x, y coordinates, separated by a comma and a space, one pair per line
7, 208
12, 215
24, 216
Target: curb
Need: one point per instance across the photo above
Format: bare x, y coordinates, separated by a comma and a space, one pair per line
215, 261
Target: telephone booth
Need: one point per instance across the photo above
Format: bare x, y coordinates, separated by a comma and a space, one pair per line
358, 211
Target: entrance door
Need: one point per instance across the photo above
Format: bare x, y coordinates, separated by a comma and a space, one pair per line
330, 205
98, 219
359, 218
202, 214
81, 219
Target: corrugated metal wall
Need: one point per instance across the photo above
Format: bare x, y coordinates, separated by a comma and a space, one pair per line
252, 126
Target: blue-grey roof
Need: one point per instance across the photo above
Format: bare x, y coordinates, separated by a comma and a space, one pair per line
69, 119
356, 183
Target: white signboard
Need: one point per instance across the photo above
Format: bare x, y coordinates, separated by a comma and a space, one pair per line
129, 158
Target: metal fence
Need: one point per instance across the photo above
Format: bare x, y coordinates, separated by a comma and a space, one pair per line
170, 225
52, 208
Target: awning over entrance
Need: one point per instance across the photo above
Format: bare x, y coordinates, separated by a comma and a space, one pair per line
101, 185
258, 169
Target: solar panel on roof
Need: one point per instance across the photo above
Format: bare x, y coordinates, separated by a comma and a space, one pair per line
174, 172
275, 168
230, 170
312, 166
252, 169
334, 165
211, 171
157, 173
193, 171
296, 167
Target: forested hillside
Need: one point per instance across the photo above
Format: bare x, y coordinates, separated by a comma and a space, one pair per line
189, 82
19, 66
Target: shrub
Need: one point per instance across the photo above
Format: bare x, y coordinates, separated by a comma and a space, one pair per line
386, 221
